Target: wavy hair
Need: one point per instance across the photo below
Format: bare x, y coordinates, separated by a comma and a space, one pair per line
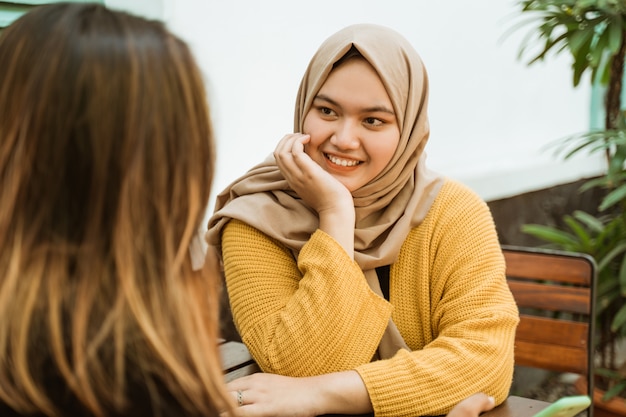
106, 161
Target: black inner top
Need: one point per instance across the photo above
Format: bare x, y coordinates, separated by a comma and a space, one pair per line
383, 278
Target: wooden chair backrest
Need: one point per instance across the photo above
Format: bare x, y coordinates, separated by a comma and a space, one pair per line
555, 292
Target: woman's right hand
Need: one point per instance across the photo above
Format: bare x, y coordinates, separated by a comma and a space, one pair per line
321, 191
314, 185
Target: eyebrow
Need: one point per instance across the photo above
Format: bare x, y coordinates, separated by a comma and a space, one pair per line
374, 109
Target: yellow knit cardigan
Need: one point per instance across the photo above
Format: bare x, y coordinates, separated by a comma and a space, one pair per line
448, 298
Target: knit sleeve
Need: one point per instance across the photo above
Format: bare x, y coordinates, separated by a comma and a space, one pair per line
310, 318
457, 314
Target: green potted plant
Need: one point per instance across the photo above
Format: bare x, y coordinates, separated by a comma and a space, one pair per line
594, 33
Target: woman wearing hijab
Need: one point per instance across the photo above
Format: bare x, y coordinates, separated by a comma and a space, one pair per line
358, 277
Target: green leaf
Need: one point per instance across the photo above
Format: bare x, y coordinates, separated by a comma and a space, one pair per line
612, 254
619, 320
547, 48
614, 34
578, 40
609, 373
614, 391
614, 197
616, 164
597, 51
604, 301
590, 221
622, 277
593, 183
579, 66
583, 237
550, 234
583, 4
592, 142
607, 287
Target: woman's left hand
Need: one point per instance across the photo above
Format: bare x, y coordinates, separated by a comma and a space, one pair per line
273, 395
265, 394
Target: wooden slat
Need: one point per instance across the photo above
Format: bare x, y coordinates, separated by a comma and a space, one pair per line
235, 355
543, 331
550, 297
238, 373
543, 266
552, 357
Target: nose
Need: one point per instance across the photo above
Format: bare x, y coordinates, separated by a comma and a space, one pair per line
346, 135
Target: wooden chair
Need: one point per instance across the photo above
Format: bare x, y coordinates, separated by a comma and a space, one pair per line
555, 292
236, 360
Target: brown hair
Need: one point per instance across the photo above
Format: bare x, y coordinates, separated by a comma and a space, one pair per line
106, 161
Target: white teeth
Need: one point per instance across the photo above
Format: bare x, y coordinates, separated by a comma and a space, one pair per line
342, 162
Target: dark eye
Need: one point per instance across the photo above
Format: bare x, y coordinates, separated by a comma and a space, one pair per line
326, 112
372, 121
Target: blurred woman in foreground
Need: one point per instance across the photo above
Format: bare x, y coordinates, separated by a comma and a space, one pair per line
106, 162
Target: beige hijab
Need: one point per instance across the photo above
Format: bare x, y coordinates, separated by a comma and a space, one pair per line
387, 207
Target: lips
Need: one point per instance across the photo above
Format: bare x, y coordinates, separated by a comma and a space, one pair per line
342, 161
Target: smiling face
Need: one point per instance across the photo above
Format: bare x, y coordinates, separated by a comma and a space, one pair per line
353, 128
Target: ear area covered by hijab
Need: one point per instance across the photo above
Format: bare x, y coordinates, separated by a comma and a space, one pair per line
397, 200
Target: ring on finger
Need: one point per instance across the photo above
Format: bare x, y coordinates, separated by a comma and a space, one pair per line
239, 397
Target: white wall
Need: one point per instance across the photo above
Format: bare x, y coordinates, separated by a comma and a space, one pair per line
491, 114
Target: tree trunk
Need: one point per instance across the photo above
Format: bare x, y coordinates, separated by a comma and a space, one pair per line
614, 90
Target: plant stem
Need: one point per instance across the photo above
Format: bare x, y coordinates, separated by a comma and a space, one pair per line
613, 95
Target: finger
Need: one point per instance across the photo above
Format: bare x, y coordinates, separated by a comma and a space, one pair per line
483, 402
239, 398
291, 158
479, 402
299, 156
473, 405
239, 383
297, 146
285, 145
283, 154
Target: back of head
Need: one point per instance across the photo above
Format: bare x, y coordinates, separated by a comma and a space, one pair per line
106, 161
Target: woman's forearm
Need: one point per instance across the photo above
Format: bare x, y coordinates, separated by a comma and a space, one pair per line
340, 225
342, 393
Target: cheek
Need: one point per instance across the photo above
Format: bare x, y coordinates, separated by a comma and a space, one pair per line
309, 123
386, 148
308, 128
315, 128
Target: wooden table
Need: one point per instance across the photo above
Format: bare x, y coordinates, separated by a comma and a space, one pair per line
517, 407
237, 362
